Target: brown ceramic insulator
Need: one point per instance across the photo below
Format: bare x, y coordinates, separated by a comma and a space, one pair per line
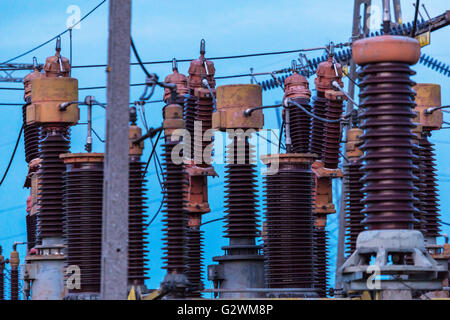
300, 125
137, 234
54, 141
194, 260
14, 279
83, 195
2, 276
2, 284
386, 99
31, 222
419, 184
353, 204
332, 140
288, 241
175, 220
318, 126
430, 204
321, 261
31, 133
204, 116
241, 195
189, 114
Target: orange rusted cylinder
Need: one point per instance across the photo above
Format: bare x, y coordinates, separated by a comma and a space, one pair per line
232, 101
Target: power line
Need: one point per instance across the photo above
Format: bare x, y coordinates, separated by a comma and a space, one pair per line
12, 156
138, 58
55, 37
189, 60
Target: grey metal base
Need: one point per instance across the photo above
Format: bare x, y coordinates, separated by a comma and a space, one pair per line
176, 285
46, 270
238, 272
379, 263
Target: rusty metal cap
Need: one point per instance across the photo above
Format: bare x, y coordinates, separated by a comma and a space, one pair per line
326, 74
180, 80
52, 66
82, 157
296, 86
386, 48
198, 71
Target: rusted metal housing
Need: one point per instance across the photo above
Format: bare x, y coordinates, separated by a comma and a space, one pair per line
428, 95
46, 96
232, 101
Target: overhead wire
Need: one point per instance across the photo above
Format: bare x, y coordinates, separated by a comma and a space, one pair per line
12, 156
55, 37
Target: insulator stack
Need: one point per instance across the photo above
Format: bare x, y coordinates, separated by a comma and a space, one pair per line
194, 260
137, 234
201, 71
46, 95
354, 216
387, 99
327, 72
137, 243
242, 254
14, 277
354, 186
428, 96
240, 189
318, 127
333, 130
430, 205
418, 172
204, 117
175, 181
321, 261
198, 112
14, 274
2, 276
83, 196
296, 88
31, 222
190, 111
54, 142
288, 236
31, 132
323, 206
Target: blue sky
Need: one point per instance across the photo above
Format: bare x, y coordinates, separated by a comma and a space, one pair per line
166, 29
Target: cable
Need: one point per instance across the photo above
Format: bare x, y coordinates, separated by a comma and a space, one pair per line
151, 154
12, 156
139, 58
98, 137
58, 35
212, 58
312, 114
214, 220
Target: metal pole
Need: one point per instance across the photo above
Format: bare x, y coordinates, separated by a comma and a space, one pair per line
398, 12
115, 185
356, 33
